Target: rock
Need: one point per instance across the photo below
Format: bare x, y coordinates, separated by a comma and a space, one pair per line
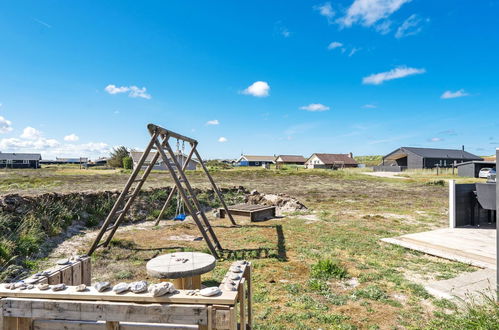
30, 286
162, 288
236, 269
8, 286
59, 287
43, 286
138, 287
19, 285
211, 291
31, 280
102, 286
81, 288
234, 277
121, 287
64, 261
229, 285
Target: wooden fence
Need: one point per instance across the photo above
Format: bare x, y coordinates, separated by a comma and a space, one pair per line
91, 310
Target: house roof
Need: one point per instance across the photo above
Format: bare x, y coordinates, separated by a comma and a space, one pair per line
251, 158
137, 154
331, 159
438, 153
17, 156
485, 162
292, 158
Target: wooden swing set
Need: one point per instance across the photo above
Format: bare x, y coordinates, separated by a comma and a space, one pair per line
176, 165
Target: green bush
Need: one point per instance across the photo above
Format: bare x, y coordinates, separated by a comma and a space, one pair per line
117, 155
326, 269
127, 163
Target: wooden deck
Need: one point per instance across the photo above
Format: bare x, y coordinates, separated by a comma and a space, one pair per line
254, 212
468, 245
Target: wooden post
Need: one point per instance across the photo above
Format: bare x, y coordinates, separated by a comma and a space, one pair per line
112, 325
250, 295
86, 271
452, 203
232, 319
242, 305
24, 323
9, 323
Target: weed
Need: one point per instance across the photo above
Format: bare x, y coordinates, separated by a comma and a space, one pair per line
326, 269
372, 292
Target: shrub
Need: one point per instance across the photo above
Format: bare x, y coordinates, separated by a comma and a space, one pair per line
117, 155
127, 163
327, 269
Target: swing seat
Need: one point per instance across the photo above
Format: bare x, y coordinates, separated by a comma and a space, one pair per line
180, 217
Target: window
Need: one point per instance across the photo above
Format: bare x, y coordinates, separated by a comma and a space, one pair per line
257, 163
9, 161
25, 161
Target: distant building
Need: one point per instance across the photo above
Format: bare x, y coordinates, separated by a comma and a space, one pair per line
66, 161
247, 160
330, 161
472, 168
420, 158
160, 165
19, 160
290, 160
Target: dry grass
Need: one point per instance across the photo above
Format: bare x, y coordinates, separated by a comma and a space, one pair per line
349, 213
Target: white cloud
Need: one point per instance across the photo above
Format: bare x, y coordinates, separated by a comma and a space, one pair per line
5, 125
453, 95
133, 91
258, 89
222, 139
368, 12
353, 51
334, 44
31, 133
436, 139
71, 138
399, 72
112, 89
410, 27
384, 27
369, 106
315, 107
213, 122
326, 10
139, 92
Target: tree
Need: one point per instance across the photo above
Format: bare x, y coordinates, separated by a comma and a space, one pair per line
117, 155
127, 163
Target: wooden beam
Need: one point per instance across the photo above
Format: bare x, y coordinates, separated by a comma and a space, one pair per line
101, 325
250, 295
67, 275
86, 271
104, 311
77, 279
70, 293
242, 305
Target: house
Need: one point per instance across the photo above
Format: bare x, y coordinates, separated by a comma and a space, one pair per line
160, 165
290, 160
19, 160
330, 161
472, 168
419, 158
247, 160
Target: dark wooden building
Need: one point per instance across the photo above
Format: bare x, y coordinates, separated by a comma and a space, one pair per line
290, 160
19, 160
420, 158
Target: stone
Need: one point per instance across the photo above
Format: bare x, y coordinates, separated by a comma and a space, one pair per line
59, 287
211, 291
43, 286
121, 287
30, 286
81, 288
31, 280
64, 261
236, 269
8, 286
234, 277
102, 286
162, 288
230, 286
19, 285
138, 287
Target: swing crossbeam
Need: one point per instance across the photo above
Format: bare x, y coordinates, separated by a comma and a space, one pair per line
160, 144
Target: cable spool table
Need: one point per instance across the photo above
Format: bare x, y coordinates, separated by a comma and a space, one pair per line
183, 269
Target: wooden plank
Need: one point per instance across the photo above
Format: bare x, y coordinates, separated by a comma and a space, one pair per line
86, 271
100, 325
70, 293
67, 275
9, 323
242, 304
105, 311
24, 323
250, 295
112, 325
54, 278
221, 317
77, 279
233, 319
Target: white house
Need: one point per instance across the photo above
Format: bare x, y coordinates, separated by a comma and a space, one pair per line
331, 161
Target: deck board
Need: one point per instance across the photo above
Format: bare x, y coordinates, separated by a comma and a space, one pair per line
475, 246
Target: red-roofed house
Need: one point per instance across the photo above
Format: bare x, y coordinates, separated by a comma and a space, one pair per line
331, 161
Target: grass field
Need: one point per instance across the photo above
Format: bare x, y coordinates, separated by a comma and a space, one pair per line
325, 268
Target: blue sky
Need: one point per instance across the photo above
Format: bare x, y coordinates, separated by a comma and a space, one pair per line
259, 77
